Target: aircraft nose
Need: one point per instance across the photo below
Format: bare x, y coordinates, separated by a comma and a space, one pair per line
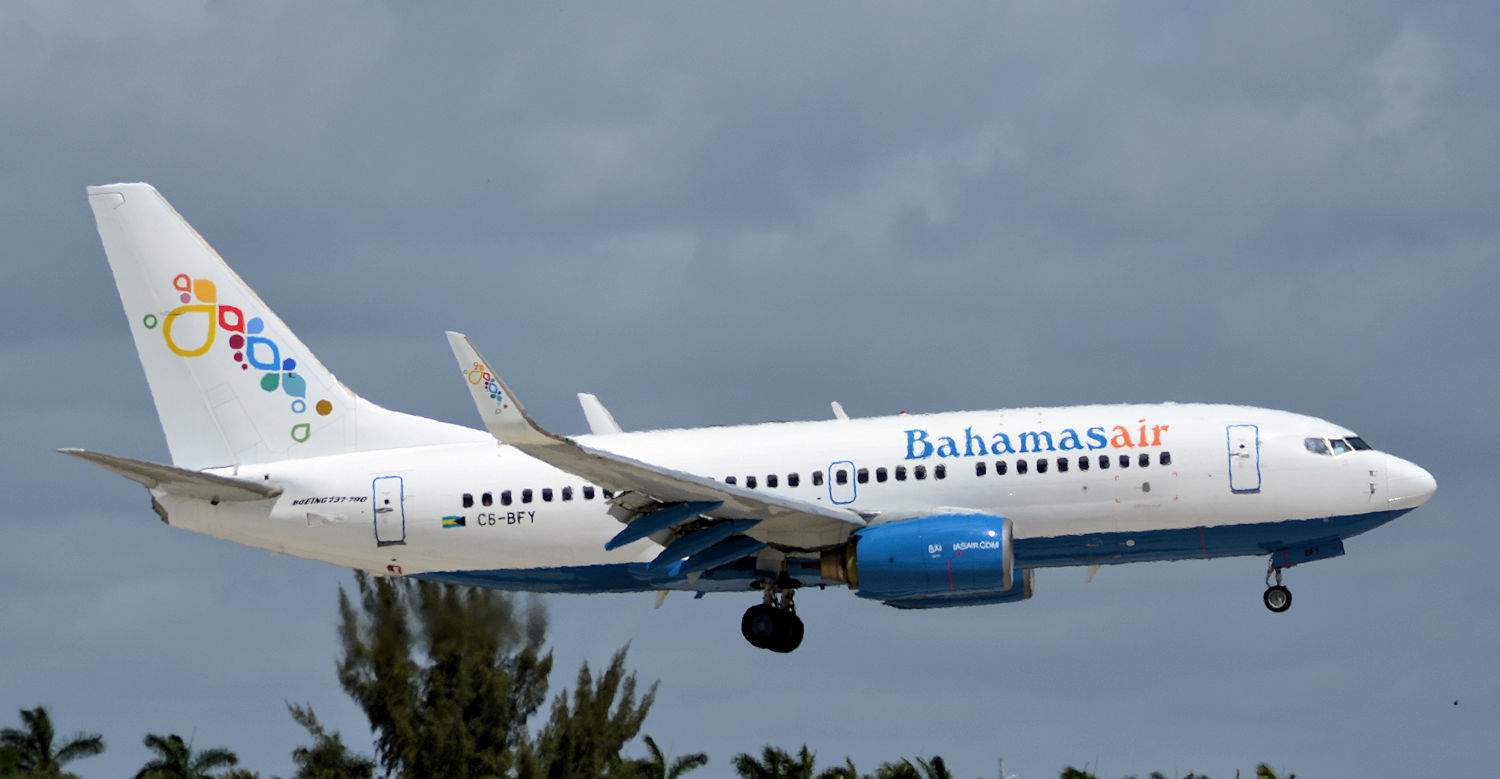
1408, 485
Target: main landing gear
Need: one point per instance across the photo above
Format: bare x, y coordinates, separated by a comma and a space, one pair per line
773, 624
1277, 597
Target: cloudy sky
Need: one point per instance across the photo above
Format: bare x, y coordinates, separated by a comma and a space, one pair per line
710, 213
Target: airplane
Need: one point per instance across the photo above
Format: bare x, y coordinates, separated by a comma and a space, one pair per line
916, 511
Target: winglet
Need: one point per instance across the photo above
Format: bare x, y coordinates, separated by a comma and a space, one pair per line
601, 422
503, 414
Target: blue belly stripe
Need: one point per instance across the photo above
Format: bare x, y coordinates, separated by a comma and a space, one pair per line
1193, 543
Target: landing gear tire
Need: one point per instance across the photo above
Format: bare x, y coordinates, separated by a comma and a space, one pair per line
1277, 598
769, 627
758, 626
774, 623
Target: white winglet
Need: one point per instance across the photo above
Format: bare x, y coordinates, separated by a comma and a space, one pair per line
601, 422
503, 414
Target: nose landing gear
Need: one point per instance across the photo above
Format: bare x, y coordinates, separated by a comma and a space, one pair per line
1276, 597
773, 624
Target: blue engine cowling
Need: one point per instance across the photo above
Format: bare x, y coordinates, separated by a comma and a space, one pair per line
936, 561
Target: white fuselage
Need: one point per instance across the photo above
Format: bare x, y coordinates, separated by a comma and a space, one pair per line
1208, 467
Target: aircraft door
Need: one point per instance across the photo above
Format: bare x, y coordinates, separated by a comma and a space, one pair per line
1244, 458
390, 510
841, 487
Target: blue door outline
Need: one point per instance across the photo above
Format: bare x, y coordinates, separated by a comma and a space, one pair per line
846, 492
388, 502
1243, 442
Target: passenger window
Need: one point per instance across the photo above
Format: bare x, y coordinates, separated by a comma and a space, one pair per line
1000, 467
792, 480
1083, 462
1144, 460
526, 495
1339, 447
1041, 465
1103, 462
771, 480
1020, 466
567, 493
608, 494
1062, 465
862, 476
1165, 459
485, 499
588, 492
731, 480
505, 497
880, 475
900, 473
468, 500
1124, 461
1316, 445
750, 482
817, 478
919, 472
841, 476
979, 468
547, 494
1358, 444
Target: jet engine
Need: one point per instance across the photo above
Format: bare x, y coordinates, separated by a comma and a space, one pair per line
932, 562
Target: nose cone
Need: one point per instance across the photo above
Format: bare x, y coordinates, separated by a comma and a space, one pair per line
1408, 485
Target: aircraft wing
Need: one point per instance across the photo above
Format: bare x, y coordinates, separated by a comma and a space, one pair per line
784, 522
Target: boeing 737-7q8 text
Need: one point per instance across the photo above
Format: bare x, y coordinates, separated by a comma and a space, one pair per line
916, 511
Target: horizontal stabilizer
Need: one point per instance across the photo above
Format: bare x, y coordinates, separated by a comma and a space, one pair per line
178, 481
660, 520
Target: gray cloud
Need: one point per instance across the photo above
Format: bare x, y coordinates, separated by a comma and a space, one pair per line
733, 213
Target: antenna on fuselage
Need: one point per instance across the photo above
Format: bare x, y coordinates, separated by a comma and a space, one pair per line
838, 411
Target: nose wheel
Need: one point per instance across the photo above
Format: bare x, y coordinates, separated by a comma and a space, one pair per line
1276, 597
773, 624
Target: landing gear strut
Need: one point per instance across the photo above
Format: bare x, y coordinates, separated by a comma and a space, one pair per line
773, 624
1277, 597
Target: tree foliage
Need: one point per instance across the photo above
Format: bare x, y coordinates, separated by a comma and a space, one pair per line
30, 749
327, 757
447, 676
583, 738
175, 759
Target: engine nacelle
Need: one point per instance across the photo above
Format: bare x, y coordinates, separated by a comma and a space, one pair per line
930, 562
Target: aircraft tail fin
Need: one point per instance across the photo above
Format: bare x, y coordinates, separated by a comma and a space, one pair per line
231, 382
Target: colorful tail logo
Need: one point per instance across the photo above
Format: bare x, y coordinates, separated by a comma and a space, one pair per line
252, 349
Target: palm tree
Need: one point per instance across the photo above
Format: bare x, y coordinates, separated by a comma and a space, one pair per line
176, 759
922, 769
32, 749
327, 758
657, 767
775, 763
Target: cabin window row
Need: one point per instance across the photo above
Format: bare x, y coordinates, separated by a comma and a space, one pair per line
841, 476
529, 495
1064, 464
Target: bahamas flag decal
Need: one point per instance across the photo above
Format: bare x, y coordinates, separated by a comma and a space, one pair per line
452, 522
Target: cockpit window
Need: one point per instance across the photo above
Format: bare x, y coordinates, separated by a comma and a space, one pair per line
1339, 446
1358, 444
1316, 445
